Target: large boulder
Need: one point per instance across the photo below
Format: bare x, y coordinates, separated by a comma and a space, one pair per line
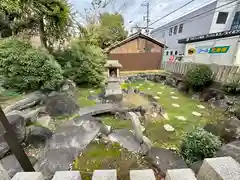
183, 87
18, 124
38, 135
219, 103
165, 159
69, 88
170, 81
232, 149
3, 147
30, 101
59, 104
12, 166
212, 93
229, 130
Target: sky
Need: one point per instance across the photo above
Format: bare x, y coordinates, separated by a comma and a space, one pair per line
133, 12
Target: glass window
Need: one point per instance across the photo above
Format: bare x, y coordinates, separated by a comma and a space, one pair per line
170, 31
176, 52
236, 21
175, 30
171, 53
167, 53
222, 17
180, 28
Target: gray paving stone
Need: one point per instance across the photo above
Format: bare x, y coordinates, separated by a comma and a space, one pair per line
180, 174
224, 168
67, 175
3, 173
105, 175
147, 174
97, 109
28, 176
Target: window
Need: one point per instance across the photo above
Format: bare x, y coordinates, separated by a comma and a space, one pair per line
175, 30
170, 31
167, 53
222, 17
176, 52
236, 21
180, 28
171, 53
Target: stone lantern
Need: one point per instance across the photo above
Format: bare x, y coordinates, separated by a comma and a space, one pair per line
113, 68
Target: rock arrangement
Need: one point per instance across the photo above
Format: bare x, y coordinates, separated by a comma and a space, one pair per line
32, 121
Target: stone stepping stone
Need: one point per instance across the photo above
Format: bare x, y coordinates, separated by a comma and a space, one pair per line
140, 84
162, 87
176, 105
172, 92
149, 88
92, 91
154, 115
181, 118
201, 106
137, 87
156, 97
174, 97
159, 93
197, 114
169, 128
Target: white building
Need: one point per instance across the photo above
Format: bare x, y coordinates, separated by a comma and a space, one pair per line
217, 16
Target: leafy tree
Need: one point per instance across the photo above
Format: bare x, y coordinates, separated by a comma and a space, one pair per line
111, 29
82, 63
50, 19
25, 69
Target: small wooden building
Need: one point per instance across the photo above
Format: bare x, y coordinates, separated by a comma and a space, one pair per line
137, 52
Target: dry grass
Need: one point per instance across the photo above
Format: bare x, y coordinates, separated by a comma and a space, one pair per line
136, 100
126, 73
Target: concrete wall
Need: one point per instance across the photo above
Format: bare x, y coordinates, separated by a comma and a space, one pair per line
192, 27
221, 58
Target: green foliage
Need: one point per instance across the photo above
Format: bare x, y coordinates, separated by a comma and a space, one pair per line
232, 88
83, 63
50, 19
199, 77
198, 145
25, 68
111, 29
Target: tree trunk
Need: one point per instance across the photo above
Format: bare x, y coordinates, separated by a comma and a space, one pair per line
43, 36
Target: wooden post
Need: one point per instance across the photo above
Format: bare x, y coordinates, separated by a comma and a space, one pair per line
14, 145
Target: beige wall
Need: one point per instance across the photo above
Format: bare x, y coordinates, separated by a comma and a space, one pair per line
136, 46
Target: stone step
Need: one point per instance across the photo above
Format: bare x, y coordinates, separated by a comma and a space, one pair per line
28, 176
105, 175
147, 174
180, 174
67, 175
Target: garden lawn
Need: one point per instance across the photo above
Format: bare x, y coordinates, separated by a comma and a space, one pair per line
84, 93
155, 130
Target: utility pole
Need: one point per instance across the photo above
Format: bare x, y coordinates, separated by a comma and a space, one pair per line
147, 17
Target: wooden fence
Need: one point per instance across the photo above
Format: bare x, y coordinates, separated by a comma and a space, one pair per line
221, 73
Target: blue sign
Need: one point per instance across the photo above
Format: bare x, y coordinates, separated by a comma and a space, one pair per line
202, 50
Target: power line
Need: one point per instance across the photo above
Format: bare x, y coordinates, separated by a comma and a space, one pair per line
173, 11
198, 15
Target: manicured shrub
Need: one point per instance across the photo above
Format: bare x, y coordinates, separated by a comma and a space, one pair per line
198, 145
83, 63
25, 68
199, 77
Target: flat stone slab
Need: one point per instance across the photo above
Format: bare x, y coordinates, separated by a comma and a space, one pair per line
224, 168
127, 140
160, 93
168, 128
66, 144
147, 174
28, 176
105, 175
176, 105
3, 173
67, 175
174, 97
197, 114
156, 97
97, 109
231, 149
180, 174
181, 118
201, 106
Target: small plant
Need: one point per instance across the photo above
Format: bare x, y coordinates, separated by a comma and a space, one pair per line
198, 145
232, 88
199, 77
